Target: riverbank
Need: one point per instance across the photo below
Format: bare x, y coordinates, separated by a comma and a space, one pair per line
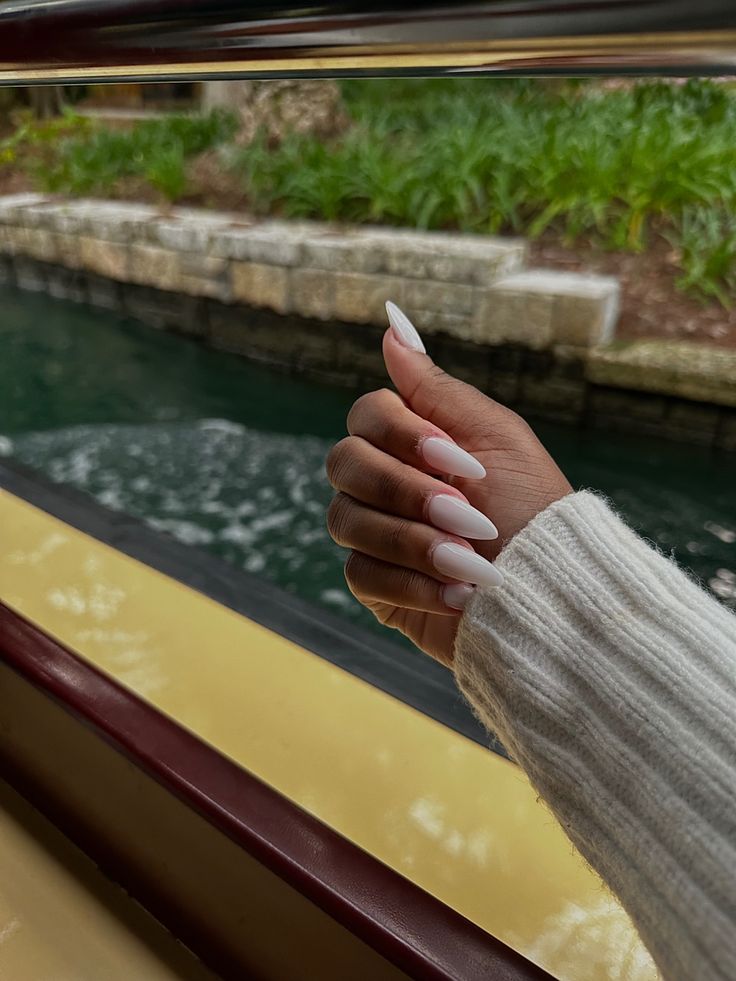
308, 297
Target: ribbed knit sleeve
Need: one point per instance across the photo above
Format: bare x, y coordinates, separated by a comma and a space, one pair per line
610, 676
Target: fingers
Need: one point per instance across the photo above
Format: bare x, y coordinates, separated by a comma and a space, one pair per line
460, 410
383, 419
408, 544
373, 581
357, 468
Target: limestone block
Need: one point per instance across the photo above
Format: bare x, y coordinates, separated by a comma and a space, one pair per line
7, 247
586, 308
277, 243
260, 285
203, 276
67, 250
507, 314
36, 243
361, 299
455, 298
11, 205
109, 259
348, 251
440, 307
540, 306
454, 258
189, 230
178, 271
151, 266
700, 372
313, 293
114, 221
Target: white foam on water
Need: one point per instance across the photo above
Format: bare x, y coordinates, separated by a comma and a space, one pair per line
256, 498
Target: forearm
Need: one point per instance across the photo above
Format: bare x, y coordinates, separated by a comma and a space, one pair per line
611, 679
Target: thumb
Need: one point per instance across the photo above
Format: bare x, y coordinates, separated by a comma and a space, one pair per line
446, 402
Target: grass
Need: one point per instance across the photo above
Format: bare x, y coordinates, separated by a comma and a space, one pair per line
609, 166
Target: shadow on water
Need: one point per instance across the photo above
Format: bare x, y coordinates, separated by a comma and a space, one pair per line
228, 455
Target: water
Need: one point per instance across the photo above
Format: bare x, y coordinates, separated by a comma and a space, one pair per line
228, 456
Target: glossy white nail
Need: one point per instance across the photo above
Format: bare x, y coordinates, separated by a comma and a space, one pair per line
455, 515
457, 594
404, 330
464, 564
447, 457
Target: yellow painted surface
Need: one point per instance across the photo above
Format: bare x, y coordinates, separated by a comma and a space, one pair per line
61, 920
456, 819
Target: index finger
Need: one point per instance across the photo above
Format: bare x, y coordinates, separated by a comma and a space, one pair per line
384, 420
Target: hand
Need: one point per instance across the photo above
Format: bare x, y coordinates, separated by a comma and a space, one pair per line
391, 503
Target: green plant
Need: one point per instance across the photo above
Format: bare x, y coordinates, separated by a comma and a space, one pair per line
707, 240
574, 160
40, 134
166, 172
154, 149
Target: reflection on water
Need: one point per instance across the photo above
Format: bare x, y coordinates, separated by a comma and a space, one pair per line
228, 456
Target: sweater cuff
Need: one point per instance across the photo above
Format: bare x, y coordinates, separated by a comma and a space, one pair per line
584, 599
610, 677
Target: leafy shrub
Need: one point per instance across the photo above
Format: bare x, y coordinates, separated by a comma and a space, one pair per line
166, 172
707, 239
609, 166
33, 134
155, 149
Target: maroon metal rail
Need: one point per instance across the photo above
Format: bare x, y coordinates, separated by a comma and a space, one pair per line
114, 40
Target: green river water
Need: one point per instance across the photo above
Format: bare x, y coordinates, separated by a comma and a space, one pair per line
228, 456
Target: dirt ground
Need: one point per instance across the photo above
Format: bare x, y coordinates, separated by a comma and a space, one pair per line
651, 304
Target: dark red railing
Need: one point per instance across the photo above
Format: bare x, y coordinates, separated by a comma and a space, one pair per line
83, 40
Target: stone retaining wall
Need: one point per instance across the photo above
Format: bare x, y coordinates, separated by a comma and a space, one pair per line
471, 287
310, 298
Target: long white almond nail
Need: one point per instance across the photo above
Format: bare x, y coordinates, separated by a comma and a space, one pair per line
457, 594
452, 514
464, 564
447, 457
404, 330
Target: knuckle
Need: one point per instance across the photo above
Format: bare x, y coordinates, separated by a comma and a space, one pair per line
338, 518
338, 461
392, 485
355, 566
369, 406
397, 536
407, 582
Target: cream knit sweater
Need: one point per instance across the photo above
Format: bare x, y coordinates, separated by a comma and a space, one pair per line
610, 677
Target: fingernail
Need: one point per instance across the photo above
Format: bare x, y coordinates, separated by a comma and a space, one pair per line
459, 517
450, 458
464, 564
457, 594
404, 330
